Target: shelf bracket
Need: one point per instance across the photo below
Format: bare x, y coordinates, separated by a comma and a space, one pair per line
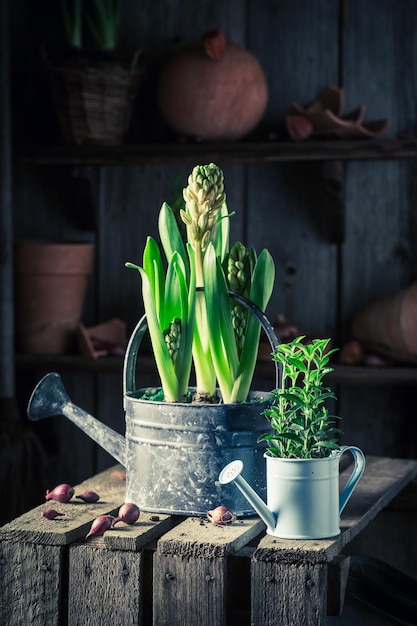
333, 200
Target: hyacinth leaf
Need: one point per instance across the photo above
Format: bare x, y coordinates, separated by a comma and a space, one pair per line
162, 357
260, 294
175, 304
152, 265
221, 240
220, 328
186, 314
174, 291
170, 235
203, 363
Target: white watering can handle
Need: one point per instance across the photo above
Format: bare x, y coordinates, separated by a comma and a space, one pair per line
129, 368
358, 469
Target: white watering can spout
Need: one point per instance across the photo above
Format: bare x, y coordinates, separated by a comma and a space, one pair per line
231, 473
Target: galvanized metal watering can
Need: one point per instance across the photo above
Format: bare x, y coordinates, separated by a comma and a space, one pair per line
173, 452
303, 499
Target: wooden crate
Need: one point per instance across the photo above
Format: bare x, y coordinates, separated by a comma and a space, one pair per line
172, 570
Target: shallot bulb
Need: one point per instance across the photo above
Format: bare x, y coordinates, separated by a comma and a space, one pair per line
51, 514
100, 525
61, 493
128, 513
89, 496
221, 516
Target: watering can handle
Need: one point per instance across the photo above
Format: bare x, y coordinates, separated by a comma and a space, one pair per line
129, 368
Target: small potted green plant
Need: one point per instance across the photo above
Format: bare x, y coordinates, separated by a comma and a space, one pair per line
302, 426
93, 90
303, 455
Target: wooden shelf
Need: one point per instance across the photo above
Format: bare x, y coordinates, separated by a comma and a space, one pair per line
343, 374
239, 151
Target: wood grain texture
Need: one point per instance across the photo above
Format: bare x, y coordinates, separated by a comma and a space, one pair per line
378, 257
32, 527
104, 585
31, 585
190, 570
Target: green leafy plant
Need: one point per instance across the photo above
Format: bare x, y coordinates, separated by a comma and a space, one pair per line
302, 424
191, 313
99, 19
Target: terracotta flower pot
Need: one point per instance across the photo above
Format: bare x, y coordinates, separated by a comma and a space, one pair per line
212, 89
50, 285
389, 326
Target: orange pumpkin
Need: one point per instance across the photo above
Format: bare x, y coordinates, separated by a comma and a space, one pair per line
212, 89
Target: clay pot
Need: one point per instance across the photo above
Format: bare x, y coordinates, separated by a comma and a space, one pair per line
389, 326
50, 285
212, 89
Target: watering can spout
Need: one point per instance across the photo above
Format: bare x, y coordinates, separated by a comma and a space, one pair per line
231, 473
50, 398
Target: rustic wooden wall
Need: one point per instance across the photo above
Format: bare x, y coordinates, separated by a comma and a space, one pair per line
304, 47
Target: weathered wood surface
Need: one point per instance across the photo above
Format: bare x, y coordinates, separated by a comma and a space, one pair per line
113, 566
295, 572
190, 570
32, 527
234, 152
49, 575
33, 581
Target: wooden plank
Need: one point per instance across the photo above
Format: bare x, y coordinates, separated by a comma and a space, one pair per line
289, 595
232, 152
31, 584
113, 565
95, 574
32, 527
282, 214
379, 254
337, 577
190, 570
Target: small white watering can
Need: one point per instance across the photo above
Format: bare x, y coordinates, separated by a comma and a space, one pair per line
303, 495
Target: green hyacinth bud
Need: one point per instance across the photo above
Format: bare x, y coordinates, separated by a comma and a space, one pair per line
172, 338
239, 325
238, 269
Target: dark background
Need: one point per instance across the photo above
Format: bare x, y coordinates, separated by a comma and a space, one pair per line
368, 48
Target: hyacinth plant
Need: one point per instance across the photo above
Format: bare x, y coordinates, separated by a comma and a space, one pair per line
192, 315
302, 425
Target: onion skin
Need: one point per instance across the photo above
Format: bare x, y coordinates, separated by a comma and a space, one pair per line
100, 525
89, 496
51, 514
60, 493
128, 513
221, 516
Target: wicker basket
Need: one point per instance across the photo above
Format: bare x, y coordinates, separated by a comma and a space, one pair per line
94, 104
